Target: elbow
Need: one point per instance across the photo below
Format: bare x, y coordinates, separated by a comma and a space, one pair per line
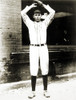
21, 13
54, 12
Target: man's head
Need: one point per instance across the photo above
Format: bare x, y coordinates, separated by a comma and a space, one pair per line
37, 15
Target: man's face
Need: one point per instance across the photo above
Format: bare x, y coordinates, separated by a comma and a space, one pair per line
37, 17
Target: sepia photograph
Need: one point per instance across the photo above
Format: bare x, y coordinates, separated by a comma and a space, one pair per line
37, 49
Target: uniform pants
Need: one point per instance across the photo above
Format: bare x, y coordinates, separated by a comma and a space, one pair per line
39, 53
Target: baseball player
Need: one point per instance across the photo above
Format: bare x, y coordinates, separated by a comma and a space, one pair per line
38, 47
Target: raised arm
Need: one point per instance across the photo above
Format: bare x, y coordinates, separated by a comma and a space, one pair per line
51, 14
24, 15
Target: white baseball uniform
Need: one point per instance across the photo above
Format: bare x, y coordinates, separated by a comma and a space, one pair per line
38, 47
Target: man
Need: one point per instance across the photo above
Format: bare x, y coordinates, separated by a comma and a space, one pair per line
38, 47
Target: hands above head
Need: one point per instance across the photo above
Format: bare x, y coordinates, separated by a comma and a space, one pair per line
38, 1
34, 5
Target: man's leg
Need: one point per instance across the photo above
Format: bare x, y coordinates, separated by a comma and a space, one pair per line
33, 86
33, 69
33, 82
45, 83
44, 58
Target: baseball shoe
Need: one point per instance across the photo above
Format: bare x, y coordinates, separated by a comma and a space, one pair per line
46, 94
32, 95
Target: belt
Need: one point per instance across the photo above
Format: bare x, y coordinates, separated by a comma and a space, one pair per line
37, 44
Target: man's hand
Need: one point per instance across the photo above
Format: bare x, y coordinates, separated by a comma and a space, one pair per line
34, 5
38, 1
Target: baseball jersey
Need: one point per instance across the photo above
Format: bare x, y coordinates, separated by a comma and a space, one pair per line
38, 30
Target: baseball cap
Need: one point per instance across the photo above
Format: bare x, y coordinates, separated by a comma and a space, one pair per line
37, 11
